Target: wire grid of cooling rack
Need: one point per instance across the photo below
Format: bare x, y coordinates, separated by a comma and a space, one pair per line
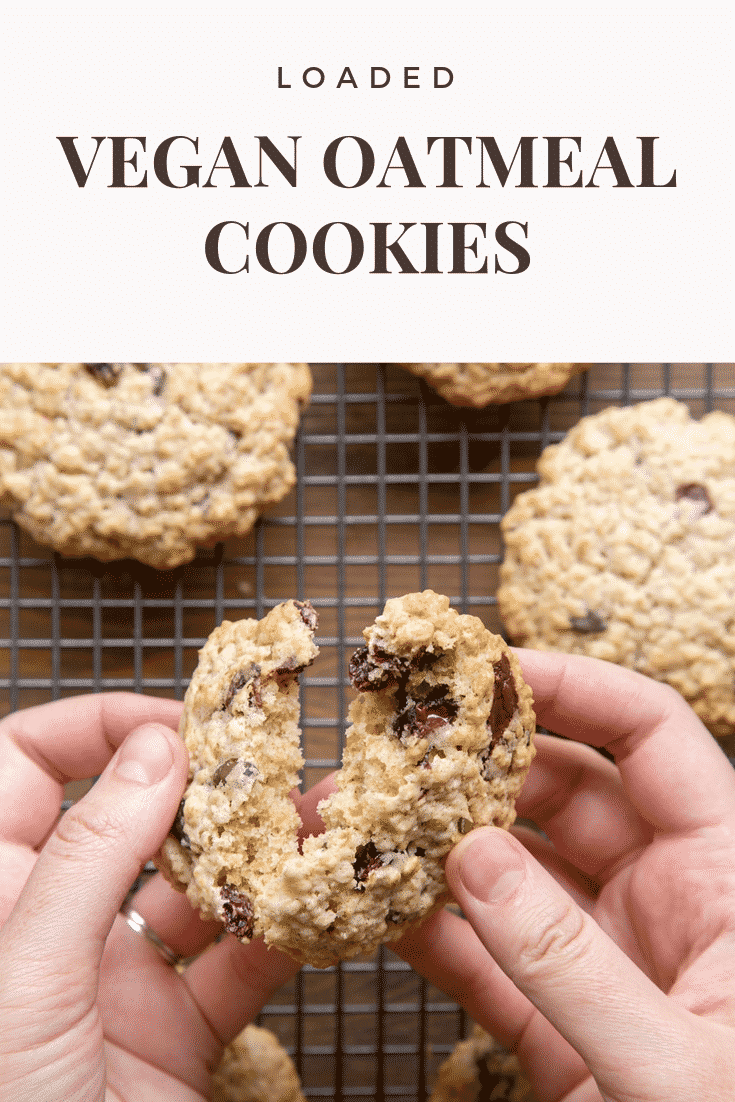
396, 491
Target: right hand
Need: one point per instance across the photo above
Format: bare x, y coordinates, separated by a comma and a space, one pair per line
604, 953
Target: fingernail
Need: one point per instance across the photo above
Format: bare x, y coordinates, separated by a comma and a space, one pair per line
491, 868
145, 757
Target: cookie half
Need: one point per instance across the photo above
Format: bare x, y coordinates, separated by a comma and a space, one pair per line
481, 384
626, 551
480, 1070
236, 825
255, 1067
146, 460
440, 741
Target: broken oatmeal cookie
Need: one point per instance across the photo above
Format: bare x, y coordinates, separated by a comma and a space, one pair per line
440, 742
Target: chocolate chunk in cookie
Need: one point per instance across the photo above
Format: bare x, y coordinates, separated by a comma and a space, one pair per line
372, 670
223, 771
107, 374
177, 828
238, 912
589, 624
695, 491
418, 718
249, 675
285, 674
236, 773
505, 699
308, 614
367, 858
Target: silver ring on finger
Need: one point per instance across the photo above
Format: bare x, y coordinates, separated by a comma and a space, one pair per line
137, 923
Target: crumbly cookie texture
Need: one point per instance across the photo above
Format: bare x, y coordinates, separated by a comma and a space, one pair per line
255, 1068
626, 551
236, 826
480, 1070
480, 384
440, 741
148, 461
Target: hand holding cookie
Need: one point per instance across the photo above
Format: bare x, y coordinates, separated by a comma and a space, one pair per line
89, 1009
604, 951
439, 741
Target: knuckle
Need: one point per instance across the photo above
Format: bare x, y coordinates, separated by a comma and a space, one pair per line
557, 940
83, 828
671, 702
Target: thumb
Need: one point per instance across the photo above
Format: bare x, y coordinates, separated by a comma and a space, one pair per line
558, 956
53, 941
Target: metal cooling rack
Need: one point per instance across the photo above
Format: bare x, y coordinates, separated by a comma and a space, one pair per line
396, 491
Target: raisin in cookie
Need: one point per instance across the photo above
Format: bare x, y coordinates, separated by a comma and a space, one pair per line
147, 461
480, 384
626, 551
440, 741
255, 1068
479, 1070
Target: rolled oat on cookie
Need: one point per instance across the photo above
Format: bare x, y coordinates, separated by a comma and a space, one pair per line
480, 384
145, 460
626, 551
255, 1067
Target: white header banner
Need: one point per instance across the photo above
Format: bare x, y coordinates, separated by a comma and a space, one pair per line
506, 187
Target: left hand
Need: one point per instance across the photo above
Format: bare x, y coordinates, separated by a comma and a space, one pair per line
89, 1010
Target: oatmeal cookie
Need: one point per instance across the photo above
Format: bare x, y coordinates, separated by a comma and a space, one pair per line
626, 551
256, 1068
147, 461
480, 384
480, 1070
440, 742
